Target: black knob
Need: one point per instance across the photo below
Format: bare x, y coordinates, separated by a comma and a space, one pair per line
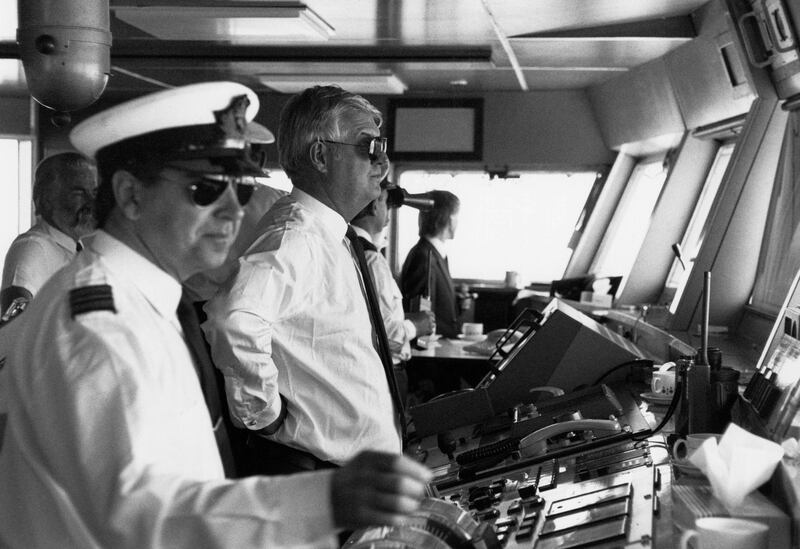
61, 119
45, 44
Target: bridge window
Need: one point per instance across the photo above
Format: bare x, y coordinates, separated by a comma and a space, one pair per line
696, 230
15, 190
628, 227
522, 222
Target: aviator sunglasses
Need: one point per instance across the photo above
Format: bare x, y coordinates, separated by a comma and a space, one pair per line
373, 147
209, 188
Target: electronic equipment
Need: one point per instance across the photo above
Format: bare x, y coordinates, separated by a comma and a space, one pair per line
772, 396
769, 32
564, 348
590, 482
65, 49
572, 288
605, 498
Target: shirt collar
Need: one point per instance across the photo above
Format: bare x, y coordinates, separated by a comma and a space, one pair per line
333, 223
438, 244
363, 234
161, 290
61, 238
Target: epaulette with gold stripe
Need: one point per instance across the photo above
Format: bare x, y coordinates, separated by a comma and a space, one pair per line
91, 298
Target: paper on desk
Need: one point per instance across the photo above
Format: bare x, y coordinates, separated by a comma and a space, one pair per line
739, 464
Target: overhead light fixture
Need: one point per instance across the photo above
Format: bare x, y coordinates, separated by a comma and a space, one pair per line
379, 84
292, 21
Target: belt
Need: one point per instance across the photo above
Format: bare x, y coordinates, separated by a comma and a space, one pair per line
269, 450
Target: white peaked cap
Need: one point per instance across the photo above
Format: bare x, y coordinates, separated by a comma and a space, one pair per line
182, 107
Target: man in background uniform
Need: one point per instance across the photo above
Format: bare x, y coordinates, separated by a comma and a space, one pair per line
426, 271
63, 195
401, 328
111, 436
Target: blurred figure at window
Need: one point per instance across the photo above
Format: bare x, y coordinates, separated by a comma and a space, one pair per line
426, 273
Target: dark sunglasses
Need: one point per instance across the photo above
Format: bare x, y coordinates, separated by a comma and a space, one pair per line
374, 147
210, 187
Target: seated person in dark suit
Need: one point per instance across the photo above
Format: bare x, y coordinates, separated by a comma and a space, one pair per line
425, 271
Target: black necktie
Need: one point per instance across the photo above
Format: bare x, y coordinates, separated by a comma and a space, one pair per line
193, 336
375, 317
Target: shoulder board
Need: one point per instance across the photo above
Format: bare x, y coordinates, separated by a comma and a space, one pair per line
91, 298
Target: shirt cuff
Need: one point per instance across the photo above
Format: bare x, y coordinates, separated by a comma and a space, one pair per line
306, 502
411, 330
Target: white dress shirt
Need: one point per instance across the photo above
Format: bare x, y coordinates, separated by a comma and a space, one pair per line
109, 442
399, 330
294, 322
36, 255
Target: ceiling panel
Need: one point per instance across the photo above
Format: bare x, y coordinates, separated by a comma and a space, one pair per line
442, 46
588, 52
523, 17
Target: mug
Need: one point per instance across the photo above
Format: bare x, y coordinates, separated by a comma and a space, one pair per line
512, 279
726, 533
684, 447
663, 383
472, 328
663, 380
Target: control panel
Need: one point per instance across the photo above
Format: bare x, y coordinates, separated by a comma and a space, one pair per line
600, 498
605, 498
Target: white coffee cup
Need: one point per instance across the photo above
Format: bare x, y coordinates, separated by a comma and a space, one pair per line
726, 533
472, 328
684, 447
663, 380
663, 383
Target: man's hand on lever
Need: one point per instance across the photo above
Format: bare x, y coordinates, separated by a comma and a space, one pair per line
377, 489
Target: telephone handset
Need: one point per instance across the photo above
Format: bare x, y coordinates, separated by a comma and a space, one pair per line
531, 445
535, 443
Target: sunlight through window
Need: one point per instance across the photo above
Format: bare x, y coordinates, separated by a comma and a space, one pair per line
630, 223
695, 232
522, 223
15, 190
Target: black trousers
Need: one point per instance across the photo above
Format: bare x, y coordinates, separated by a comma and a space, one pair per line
265, 457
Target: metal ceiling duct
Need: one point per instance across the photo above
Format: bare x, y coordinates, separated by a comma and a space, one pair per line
65, 48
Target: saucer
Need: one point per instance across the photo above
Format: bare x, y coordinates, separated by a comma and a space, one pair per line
472, 337
656, 398
687, 469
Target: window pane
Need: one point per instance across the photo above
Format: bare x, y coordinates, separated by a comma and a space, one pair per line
696, 230
15, 190
631, 220
518, 224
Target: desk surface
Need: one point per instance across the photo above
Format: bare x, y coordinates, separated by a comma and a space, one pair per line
448, 348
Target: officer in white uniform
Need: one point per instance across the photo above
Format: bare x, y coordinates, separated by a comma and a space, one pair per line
109, 442
63, 194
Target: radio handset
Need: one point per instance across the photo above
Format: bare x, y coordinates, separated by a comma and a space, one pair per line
535, 443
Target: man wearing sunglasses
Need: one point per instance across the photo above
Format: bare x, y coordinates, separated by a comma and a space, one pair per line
291, 331
111, 435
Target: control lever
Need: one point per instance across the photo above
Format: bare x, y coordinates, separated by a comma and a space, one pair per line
536, 443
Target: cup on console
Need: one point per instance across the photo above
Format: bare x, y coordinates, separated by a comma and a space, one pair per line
663, 383
684, 447
663, 380
726, 533
472, 328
